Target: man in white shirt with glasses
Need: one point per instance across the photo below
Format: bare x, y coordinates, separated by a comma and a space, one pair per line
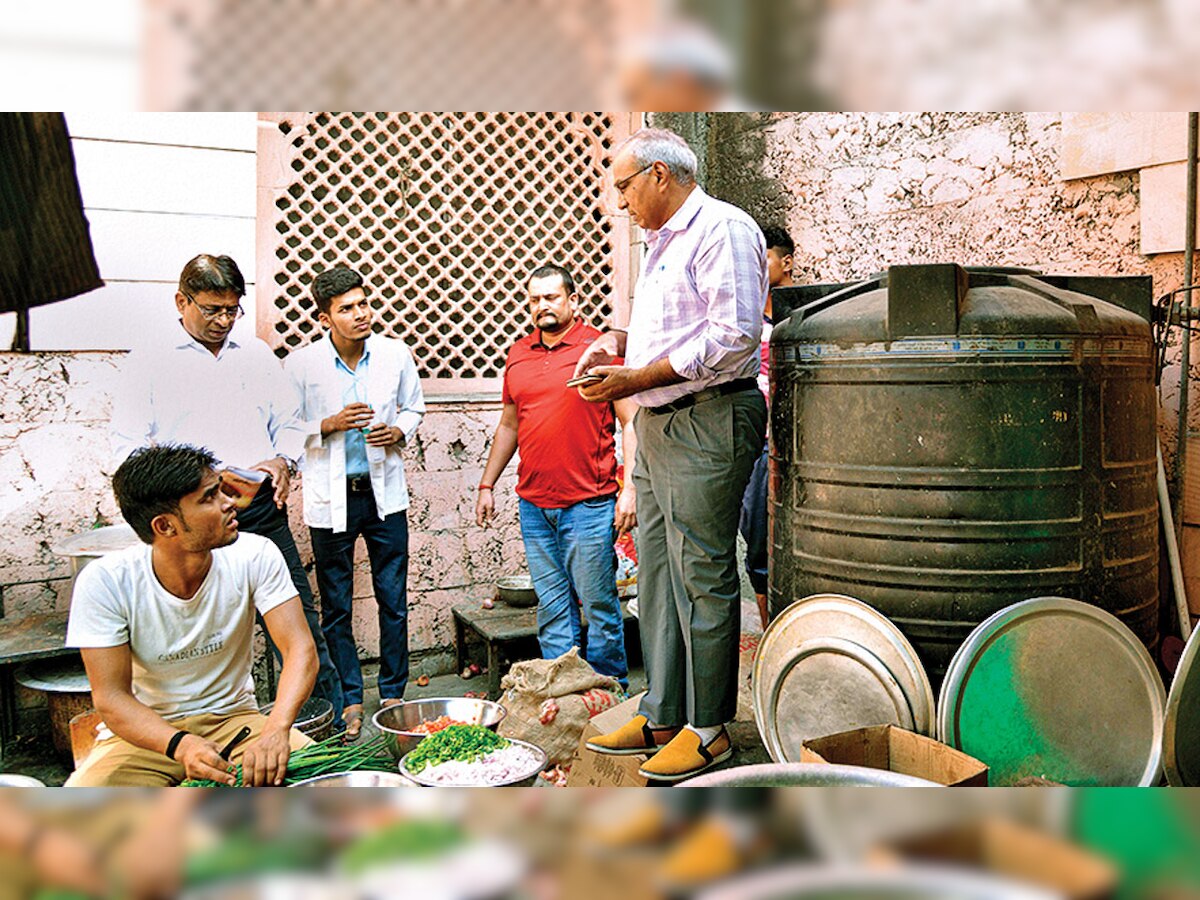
205, 388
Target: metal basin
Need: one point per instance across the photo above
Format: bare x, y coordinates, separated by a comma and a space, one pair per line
82, 548
396, 722
807, 882
315, 718
357, 779
520, 779
806, 775
517, 590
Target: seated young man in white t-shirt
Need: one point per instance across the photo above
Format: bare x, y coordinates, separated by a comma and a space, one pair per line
165, 630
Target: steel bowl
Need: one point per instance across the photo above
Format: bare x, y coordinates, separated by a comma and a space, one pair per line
522, 779
357, 779
314, 720
517, 590
396, 722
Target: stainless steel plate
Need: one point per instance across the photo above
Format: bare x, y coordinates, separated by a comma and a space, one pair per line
1181, 727
97, 541
907, 882
806, 775
831, 663
1057, 689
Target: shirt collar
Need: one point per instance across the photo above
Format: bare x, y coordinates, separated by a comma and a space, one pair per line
572, 336
187, 341
684, 215
337, 359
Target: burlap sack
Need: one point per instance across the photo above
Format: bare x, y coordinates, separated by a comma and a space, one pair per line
577, 689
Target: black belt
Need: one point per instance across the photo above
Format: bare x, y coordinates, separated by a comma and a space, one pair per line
358, 484
737, 386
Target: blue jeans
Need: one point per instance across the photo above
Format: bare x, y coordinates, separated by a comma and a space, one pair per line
571, 558
752, 523
263, 518
387, 549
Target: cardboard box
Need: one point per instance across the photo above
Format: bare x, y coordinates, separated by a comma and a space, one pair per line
591, 769
896, 750
1016, 852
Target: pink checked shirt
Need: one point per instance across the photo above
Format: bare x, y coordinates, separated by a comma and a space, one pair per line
700, 297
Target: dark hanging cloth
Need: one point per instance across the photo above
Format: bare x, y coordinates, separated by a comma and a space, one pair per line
45, 246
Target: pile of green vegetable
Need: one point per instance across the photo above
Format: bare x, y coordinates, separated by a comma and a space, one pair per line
407, 841
327, 757
465, 743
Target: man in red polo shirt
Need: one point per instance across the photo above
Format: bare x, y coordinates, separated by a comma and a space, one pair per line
570, 506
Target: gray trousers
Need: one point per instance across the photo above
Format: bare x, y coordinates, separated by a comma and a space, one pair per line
692, 469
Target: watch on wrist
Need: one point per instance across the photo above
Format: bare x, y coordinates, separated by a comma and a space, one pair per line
291, 466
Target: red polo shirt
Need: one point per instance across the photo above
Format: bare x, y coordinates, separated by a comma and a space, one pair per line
567, 450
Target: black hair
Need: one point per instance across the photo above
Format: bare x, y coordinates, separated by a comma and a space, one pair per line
779, 239
333, 283
545, 271
153, 480
213, 275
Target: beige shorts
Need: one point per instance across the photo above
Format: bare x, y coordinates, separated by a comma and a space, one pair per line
114, 762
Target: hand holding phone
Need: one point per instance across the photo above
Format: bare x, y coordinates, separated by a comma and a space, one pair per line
585, 379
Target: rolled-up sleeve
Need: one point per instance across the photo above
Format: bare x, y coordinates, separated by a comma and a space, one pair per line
730, 273
410, 400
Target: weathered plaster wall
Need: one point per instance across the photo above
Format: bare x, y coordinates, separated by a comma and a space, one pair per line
54, 483
861, 191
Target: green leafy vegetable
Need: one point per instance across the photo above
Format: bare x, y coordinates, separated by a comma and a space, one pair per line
324, 758
416, 839
465, 743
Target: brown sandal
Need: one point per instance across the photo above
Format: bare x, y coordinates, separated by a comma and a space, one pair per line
353, 717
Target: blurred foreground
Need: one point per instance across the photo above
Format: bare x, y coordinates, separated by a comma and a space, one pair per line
542, 844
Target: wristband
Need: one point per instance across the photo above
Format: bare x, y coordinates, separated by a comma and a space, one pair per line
485, 487
174, 742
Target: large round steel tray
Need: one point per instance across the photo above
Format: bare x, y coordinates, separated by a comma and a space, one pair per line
806, 775
1181, 726
830, 663
1056, 689
816, 882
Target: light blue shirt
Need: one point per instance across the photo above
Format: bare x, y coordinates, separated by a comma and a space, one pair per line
354, 390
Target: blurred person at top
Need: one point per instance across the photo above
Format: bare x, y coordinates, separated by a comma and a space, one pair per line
692, 360
753, 521
570, 509
679, 66
361, 402
206, 388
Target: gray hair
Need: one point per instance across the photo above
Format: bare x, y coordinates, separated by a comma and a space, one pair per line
651, 145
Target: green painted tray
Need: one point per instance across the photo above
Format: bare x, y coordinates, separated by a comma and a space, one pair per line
1057, 689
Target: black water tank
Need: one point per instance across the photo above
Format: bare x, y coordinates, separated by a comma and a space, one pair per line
945, 443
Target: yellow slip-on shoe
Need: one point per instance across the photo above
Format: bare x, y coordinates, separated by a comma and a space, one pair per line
685, 756
708, 853
634, 737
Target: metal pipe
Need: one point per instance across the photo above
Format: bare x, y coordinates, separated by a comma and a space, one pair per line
1185, 360
1177, 587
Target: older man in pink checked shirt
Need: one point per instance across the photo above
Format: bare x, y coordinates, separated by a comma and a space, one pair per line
691, 361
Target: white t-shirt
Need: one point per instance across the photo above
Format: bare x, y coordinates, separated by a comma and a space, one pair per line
189, 656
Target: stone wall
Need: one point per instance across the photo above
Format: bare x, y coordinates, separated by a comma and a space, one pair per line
54, 483
861, 191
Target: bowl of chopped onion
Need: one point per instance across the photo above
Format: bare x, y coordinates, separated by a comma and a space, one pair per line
473, 756
404, 725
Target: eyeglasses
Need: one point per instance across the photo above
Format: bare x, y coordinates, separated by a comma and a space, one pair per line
624, 182
215, 312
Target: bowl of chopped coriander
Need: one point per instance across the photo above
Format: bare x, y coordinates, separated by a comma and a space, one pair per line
473, 756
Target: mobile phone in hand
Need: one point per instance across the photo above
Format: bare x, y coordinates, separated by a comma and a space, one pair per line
589, 378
